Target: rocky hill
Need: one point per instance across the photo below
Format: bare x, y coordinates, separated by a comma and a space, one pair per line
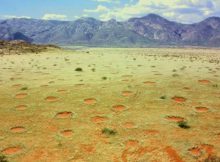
22, 47
150, 30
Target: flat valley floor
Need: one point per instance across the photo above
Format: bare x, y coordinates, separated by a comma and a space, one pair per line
111, 105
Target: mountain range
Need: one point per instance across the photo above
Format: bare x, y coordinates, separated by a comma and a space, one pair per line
150, 30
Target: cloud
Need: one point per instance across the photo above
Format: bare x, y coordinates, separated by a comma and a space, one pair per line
186, 11
13, 16
98, 9
54, 17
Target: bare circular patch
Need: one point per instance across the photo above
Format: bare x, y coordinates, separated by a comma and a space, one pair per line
204, 81
175, 118
119, 108
127, 93
202, 109
21, 107
90, 101
151, 132
21, 95
17, 129
11, 150
179, 99
51, 99
98, 119
66, 133
63, 115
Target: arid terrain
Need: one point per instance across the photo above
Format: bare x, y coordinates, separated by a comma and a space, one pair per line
111, 105
20, 47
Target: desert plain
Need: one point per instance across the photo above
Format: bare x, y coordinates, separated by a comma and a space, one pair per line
111, 105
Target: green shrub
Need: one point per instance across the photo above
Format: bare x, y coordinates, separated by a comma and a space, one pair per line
3, 158
24, 88
163, 97
108, 131
183, 124
79, 69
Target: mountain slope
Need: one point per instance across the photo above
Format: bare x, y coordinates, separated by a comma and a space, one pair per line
150, 30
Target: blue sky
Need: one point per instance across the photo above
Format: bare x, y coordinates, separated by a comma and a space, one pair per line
186, 11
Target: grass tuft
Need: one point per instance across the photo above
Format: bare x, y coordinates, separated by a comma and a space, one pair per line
3, 158
183, 124
104, 78
163, 97
79, 69
24, 88
215, 85
108, 131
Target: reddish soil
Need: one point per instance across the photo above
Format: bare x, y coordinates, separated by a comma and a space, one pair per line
67, 133
119, 108
127, 93
21, 107
174, 157
151, 132
201, 109
51, 99
21, 95
87, 148
63, 115
98, 119
18, 129
11, 150
204, 81
179, 99
90, 101
195, 151
175, 118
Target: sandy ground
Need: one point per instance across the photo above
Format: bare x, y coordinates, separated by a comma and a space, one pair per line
51, 113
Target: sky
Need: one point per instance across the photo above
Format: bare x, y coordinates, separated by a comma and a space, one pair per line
184, 11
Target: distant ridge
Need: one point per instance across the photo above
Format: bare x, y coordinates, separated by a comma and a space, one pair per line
147, 31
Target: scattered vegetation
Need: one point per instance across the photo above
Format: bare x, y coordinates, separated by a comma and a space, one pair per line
93, 69
215, 85
24, 88
183, 124
163, 97
79, 69
3, 158
108, 131
104, 78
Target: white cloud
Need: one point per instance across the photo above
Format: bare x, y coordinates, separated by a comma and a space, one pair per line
98, 9
13, 16
185, 11
54, 17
